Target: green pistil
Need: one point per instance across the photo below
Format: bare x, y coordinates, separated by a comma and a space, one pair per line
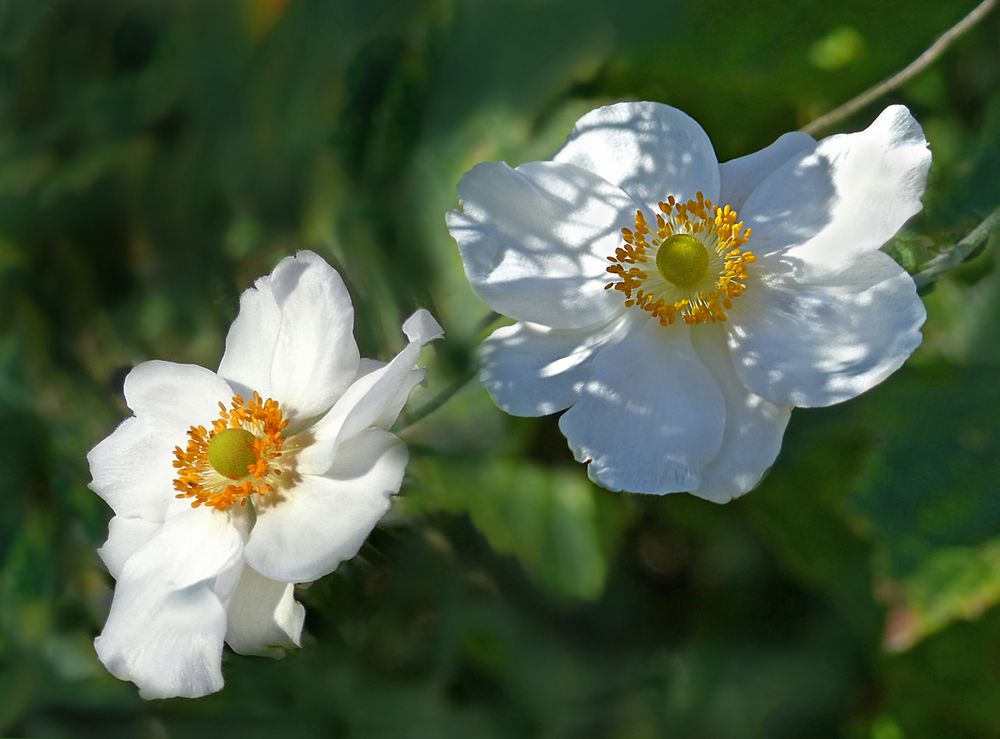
683, 260
231, 453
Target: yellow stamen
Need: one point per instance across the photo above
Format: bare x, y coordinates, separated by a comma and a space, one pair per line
236, 459
700, 267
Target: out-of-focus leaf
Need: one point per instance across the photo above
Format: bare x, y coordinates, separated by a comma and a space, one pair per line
560, 527
943, 687
799, 510
910, 250
969, 309
842, 46
959, 582
929, 496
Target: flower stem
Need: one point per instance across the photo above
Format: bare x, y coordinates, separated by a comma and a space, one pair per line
445, 395
931, 55
975, 239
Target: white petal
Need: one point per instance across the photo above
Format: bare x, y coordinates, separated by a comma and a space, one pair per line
754, 426
821, 342
651, 415
293, 339
375, 399
125, 537
132, 468
649, 150
740, 176
535, 240
422, 327
367, 366
264, 617
532, 370
848, 196
321, 521
172, 397
393, 408
166, 626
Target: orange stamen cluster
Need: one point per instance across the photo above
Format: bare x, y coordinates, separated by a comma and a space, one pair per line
634, 262
198, 480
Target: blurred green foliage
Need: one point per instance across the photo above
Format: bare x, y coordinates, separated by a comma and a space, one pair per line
155, 157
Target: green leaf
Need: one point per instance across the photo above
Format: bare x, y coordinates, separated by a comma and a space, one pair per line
928, 494
959, 582
560, 527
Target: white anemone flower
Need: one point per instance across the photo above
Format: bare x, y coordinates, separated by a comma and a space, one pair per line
228, 487
679, 308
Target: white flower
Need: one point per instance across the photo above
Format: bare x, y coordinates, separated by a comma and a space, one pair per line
230, 487
679, 334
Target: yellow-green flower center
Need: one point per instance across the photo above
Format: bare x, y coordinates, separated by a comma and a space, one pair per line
683, 260
700, 267
231, 453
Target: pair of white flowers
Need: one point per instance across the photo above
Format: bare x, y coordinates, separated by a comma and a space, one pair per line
678, 308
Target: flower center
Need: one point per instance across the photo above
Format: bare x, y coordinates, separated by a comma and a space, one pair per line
237, 458
231, 453
682, 260
700, 266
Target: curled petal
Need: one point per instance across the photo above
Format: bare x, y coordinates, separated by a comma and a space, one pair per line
373, 400
264, 617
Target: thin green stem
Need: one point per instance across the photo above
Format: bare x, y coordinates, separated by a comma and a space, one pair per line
445, 395
931, 55
976, 239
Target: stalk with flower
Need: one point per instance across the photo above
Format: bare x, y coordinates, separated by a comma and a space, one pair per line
229, 487
676, 308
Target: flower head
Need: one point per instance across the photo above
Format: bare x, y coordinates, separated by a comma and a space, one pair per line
229, 487
679, 308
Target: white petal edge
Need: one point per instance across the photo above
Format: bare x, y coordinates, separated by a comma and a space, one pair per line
825, 341
293, 339
392, 410
651, 415
740, 176
323, 520
166, 626
649, 150
173, 397
848, 196
532, 370
375, 399
132, 469
125, 537
535, 240
422, 327
264, 617
754, 426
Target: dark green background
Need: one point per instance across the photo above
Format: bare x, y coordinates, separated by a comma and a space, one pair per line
155, 157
